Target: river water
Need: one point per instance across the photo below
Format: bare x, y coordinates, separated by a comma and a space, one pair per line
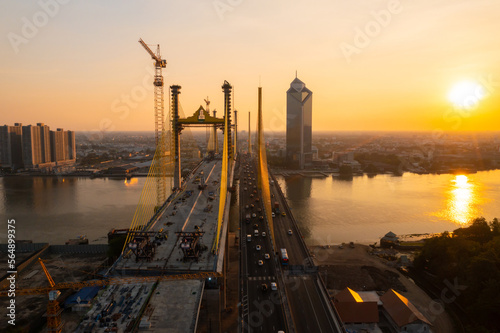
328, 210
331, 211
54, 209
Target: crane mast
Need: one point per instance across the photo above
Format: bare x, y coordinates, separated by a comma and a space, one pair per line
161, 138
54, 324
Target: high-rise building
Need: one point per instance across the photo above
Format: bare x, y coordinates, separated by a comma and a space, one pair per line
298, 125
57, 145
45, 142
37, 148
32, 147
70, 144
11, 146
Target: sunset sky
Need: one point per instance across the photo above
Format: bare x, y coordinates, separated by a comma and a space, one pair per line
78, 64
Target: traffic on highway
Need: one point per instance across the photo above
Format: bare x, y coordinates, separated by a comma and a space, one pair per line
280, 287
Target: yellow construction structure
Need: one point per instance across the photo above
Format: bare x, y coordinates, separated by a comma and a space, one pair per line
54, 324
160, 136
111, 281
263, 173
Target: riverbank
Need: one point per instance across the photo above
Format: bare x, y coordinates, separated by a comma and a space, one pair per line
335, 173
359, 269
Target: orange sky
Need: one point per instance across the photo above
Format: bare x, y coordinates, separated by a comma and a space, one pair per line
80, 66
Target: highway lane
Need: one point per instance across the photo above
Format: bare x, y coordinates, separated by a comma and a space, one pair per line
265, 313
309, 309
310, 312
297, 254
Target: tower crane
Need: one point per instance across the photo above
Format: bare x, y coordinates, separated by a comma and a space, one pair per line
54, 324
159, 116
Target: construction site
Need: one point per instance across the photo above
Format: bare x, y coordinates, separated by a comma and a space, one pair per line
174, 249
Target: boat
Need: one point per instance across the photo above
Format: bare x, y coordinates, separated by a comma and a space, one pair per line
81, 240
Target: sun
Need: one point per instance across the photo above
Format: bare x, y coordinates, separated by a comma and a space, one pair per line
466, 94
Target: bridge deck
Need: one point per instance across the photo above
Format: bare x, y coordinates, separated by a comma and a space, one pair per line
182, 214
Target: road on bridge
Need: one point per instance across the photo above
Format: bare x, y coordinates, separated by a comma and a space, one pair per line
261, 306
311, 311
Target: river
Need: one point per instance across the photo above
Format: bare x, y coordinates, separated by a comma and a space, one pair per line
328, 210
331, 211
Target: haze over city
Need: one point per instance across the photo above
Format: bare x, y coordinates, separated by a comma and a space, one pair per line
372, 65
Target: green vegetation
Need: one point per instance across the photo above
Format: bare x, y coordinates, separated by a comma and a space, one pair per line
471, 256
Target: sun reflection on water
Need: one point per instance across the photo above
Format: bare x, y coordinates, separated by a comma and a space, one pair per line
131, 182
462, 199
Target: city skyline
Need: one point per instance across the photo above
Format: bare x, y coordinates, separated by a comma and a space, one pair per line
37, 147
82, 66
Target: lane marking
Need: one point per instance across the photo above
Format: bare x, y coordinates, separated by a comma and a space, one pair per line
196, 202
312, 306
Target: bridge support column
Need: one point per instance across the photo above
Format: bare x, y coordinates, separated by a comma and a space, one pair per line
235, 132
226, 88
216, 142
176, 132
249, 136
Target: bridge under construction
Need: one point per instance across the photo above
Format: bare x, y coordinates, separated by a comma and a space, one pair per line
176, 250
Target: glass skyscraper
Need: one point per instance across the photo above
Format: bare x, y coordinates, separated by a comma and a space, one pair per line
298, 125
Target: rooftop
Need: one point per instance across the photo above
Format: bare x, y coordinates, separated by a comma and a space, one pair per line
401, 310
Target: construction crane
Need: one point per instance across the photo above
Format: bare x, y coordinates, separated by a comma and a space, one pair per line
106, 282
54, 324
158, 93
160, 135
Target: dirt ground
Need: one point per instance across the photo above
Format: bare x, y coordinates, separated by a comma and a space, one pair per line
357, 269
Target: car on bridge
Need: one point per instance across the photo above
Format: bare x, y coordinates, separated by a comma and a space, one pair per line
283, 214
267, 256
260, 263
273, 215
290, 232
258, 247
274, 286
264, 287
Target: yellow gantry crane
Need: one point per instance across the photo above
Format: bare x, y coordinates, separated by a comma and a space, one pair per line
160, 134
